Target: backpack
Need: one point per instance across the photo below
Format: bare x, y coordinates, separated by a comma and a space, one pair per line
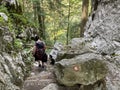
40, 51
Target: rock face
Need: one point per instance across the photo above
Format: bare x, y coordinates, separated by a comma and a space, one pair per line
98, 52
103, 27
12, 67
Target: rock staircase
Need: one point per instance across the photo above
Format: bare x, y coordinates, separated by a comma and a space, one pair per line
39, 78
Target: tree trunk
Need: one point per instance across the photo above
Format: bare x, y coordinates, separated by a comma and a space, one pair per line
67, 35
85, 5
41, 18
35, 11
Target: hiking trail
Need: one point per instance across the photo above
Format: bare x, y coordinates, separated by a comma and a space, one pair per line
39, 78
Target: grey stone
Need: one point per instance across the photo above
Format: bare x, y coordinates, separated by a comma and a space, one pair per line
83, 69
51, 86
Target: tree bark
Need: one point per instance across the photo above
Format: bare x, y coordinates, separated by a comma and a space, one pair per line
85, 5
68, 24
35, 10
41, 18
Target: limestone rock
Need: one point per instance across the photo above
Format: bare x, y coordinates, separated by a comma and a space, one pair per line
77, 46
13, 69
5, 17
51, 86
103, 27
84, 69
56, 49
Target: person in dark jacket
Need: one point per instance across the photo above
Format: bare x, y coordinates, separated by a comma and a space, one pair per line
39, 52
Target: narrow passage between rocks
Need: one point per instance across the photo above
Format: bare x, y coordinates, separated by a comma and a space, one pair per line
39, 78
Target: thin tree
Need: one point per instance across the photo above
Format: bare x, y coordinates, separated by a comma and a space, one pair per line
68, 28
85, 6
39, 17
35, 11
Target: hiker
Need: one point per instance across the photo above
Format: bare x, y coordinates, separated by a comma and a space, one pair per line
39, 52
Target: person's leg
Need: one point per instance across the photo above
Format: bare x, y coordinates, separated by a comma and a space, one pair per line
40, 63
44, 60
36, 62
44, 64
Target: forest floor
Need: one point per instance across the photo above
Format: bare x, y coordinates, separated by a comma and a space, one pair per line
39, 77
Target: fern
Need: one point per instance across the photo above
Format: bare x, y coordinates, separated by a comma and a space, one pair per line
4, 9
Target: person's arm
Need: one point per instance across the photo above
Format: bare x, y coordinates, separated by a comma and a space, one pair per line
44, 45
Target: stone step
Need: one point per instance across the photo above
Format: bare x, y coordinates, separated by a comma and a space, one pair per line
37, 84
39, 78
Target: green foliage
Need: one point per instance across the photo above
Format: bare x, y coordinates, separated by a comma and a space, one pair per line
4, 9
18, 44
9, 47
21, 20
30, 20
57, 21
1, 20
75, 30
56, 18
18, 19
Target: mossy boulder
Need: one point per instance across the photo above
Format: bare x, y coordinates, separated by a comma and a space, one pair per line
84, 69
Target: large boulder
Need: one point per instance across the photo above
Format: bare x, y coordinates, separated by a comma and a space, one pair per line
84, 69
